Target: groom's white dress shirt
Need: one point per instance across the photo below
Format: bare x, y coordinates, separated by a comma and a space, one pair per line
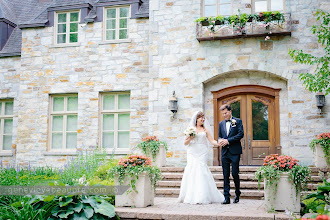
228, 127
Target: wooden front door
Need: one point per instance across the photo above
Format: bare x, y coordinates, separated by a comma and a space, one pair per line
259, 114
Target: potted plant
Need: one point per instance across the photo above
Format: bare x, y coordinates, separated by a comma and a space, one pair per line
136, 172
152, 147
269, 17
238, 22
321, 148
284, 180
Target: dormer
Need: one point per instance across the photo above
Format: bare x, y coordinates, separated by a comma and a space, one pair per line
6, 29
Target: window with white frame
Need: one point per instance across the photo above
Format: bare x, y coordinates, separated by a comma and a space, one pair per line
115, 120
6, 124
66, 26
63, 122
116, 23
217, 7
268, 5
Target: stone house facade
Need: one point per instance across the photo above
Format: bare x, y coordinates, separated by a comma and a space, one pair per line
86, 74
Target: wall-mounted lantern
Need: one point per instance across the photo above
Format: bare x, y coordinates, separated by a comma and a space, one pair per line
173, 104
320, 100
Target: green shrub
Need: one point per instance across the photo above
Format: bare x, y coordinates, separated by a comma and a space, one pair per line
85, 164
26, 209
27, 176
78, 207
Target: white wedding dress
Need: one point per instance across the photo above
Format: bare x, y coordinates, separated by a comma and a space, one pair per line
198, 185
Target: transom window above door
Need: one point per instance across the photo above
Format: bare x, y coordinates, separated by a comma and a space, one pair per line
217, 7
116, 23
267, 5
66, 27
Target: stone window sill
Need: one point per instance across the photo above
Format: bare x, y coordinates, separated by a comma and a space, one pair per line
116, 41
6, 154
55, 153
65, 45
74, 153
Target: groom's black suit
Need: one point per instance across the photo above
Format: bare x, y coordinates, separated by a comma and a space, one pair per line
230, 154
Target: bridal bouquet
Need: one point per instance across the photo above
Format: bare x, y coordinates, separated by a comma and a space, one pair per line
191, 131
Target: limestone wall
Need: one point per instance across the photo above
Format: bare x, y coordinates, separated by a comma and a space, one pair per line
9, 87
195, 69
87, 69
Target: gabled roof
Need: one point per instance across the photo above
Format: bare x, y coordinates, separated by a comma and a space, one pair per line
13, 45
7, 11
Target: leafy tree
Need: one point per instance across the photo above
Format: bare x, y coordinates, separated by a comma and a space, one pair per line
320, 81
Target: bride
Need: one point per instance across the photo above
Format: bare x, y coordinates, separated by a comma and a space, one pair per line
198, 186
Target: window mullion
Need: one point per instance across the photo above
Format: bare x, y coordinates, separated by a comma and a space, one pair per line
67, 27
64, 132
64, 121
116, 122
3, 108
269, 5
1, 133
117, 23
116, 131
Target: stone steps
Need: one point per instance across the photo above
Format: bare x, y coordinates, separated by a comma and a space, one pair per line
243, 169
174, 192
218, 176
169, 186
219, 184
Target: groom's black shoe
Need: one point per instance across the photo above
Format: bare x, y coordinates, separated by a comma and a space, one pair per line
227, 201
236, 199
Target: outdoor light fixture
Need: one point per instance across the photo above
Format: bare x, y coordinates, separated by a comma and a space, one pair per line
173, 104
320, 100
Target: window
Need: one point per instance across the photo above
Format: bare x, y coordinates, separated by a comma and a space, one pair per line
67, 27
6, 124
217, 7
115, 120
63, 122
268, 5
116, 23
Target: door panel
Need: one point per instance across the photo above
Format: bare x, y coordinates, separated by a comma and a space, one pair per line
257, 114
238, 106
260, 128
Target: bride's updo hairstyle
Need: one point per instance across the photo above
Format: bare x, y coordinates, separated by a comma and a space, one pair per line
199, 115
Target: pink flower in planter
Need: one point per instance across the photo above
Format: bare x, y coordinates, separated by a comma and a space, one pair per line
322, 217
267, 38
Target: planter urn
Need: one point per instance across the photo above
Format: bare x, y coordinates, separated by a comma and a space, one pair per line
142, 198
283, 197
160, 160
320, 159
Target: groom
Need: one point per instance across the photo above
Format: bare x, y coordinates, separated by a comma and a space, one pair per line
230, 134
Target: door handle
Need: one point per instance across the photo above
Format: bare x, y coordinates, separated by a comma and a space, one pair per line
244, 143
249, 141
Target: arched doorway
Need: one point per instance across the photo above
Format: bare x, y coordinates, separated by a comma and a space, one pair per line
258, 107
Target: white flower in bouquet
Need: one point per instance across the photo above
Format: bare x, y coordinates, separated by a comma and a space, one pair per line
191, 131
